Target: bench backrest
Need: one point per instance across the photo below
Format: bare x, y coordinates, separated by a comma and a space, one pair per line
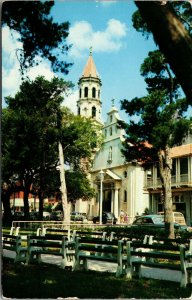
178, 241
164, 251
11, 242
45, 241
95, 245
89, 234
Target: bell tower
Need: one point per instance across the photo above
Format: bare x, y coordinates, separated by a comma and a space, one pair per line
89, 102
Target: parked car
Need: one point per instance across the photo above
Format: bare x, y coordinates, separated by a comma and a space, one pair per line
178, 217
107, 217
56, 215
77, 216
154, 221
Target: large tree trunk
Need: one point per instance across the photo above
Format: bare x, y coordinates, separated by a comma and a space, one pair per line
41, 198
173, 39
165, 167
65, 204
26, 199
26, 204
7, 217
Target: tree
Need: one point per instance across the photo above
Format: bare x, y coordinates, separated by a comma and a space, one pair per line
41, 37
173, 38
77, 141
78, 186
33, 125
30, 133
160, 124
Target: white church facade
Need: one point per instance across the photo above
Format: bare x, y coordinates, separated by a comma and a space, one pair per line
122, 183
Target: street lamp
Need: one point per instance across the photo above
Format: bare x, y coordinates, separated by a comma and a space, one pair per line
101, 173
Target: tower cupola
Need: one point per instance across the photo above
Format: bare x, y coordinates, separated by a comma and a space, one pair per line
89, 102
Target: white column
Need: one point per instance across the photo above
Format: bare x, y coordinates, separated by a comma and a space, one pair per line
132, 196
101, 196
112, 200
116, 204
190, 170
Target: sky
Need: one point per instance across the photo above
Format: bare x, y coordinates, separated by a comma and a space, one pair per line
118, 51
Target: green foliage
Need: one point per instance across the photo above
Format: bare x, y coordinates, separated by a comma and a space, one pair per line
78, 186
30, 137
139, 233
40, 36
79, 137
139, 24
29, 124
158, 75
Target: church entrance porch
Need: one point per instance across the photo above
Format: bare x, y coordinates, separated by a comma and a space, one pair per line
110, 192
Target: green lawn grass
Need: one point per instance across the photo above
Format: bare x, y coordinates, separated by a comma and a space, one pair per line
49, 281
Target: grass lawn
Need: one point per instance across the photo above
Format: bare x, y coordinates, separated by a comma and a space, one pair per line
49, 281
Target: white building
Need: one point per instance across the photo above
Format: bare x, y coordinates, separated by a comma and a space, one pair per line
181, 181
123, 182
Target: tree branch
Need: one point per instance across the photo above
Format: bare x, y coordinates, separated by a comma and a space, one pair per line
173, 40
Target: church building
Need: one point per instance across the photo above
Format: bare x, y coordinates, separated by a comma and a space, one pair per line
121, 184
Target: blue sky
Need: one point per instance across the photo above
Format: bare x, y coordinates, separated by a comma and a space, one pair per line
118, 50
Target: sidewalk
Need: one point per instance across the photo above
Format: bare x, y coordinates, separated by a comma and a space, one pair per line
153, 273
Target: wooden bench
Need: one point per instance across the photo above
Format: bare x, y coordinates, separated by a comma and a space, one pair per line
90, 234
50, 244
14, 230
178, 241
13, 244
68, 249
163, 256
55, 231
17, 231
72, 234
98, 250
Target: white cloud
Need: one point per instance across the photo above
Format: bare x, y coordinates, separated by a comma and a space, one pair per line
71, 101
11, 78
106, 3
82, 36
42, 69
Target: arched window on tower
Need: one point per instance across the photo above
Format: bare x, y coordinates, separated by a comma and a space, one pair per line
80, 93
93, 92
79, 111
99, 94
86, 92
93, 111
